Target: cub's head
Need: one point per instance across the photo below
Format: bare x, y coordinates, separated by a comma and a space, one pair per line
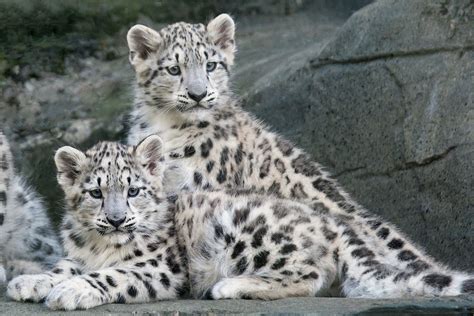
111, 188
183, 67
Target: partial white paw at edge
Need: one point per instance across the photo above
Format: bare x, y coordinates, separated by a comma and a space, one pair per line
226, 288
73, 294
33, 287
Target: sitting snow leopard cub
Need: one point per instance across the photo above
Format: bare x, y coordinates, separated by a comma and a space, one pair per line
183, 95
27, 242
128, 242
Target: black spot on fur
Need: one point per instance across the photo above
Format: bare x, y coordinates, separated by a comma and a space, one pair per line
189, 151
172, 264
120, 299
224, 155
303, 164
260, 259
383, 232
238, 249
111, 281
278, 237
2, 219
297, 192
77, 239
197, 178
206, 148
153, 246
280, 211
329, 188
132, 291
203, 124
362, 253
355, 241
312, 275
57, 271
374, 224
218, 231
3, 198
278, 264
288, 248
406, 255
151, 290
285, 146
438, 281
258, 237
35, 244
241, 265
468, 287
329, 234
418, 266
138, 252
165, 281
395, 243
241, 216
265, 167
221, 175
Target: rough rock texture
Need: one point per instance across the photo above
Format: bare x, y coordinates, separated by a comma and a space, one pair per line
292, 306
388, 107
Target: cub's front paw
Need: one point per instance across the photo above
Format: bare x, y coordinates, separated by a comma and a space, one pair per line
75, 293
34, 287
226, 289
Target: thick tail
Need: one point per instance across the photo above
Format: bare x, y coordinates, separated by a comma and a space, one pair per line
379, 262
6, 175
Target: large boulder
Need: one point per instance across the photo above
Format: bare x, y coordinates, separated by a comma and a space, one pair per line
388, 107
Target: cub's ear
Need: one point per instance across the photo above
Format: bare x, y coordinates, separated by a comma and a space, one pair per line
148, 153
221, 31
142, 41
69, 162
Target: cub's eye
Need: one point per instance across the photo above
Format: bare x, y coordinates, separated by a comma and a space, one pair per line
211, 66
133, 191
174, 71
96, 193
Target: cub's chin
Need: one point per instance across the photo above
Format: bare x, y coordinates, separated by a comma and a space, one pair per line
118, 237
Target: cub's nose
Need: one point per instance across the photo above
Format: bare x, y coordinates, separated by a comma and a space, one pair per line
116, 222
197, 97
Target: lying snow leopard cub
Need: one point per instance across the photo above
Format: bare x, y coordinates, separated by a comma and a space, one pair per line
28, 244
127, 242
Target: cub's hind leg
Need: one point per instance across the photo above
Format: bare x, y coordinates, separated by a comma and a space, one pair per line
255, 287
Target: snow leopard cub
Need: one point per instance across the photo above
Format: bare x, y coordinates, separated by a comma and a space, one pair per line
28, 244
128, 242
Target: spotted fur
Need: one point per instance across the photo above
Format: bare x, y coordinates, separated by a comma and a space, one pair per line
214, 244
27, 242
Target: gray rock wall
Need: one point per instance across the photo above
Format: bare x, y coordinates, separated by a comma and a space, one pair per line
388, 107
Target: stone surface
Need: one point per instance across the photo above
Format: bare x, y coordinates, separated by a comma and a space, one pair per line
388, 107
293, 306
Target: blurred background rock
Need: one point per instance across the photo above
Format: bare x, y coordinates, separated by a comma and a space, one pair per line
382, 93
